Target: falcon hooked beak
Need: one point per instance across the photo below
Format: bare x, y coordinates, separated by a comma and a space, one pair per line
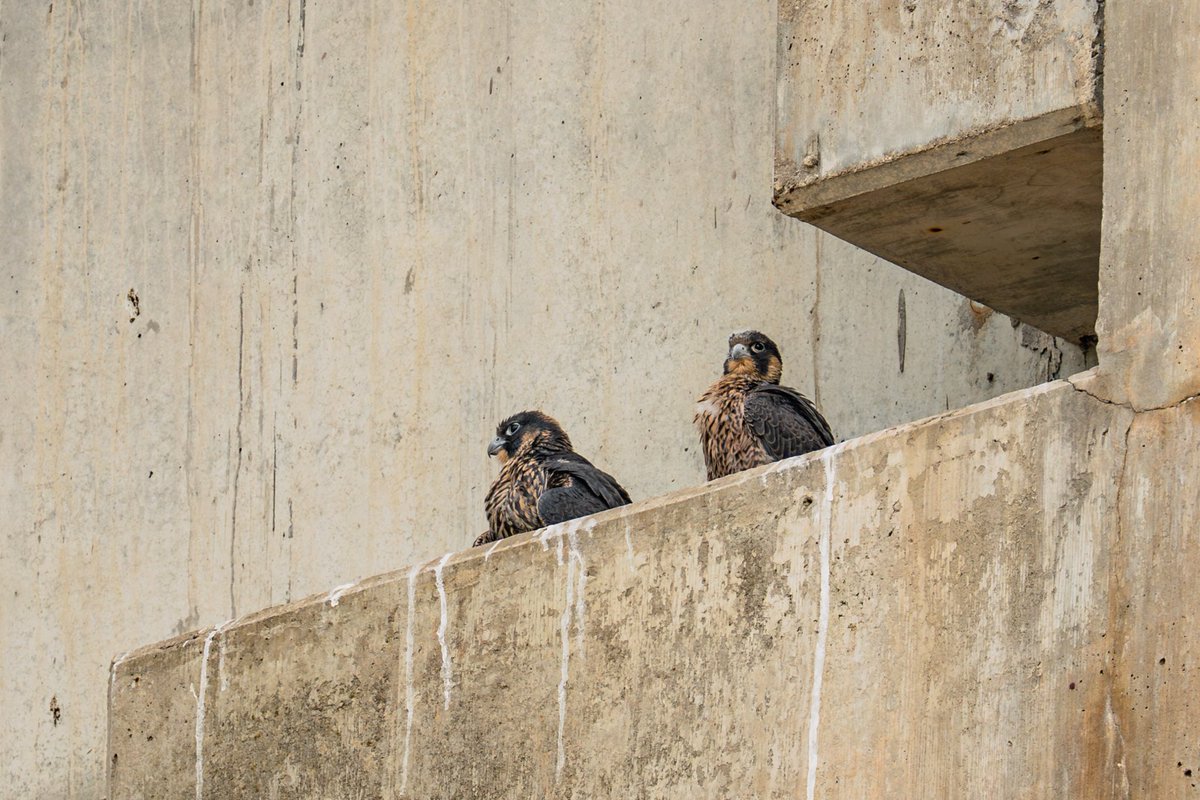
740, 360
497, 447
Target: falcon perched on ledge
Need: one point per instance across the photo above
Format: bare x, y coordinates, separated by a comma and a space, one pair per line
543, 481
746, 419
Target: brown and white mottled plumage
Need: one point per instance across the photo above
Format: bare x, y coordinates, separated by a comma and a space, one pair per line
746, 419
543, 481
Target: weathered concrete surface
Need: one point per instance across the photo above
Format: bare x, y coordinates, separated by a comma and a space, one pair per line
1150, 267
949, 609
902, 123
273, 270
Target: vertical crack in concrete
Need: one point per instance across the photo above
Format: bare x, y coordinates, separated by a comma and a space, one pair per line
1118, 609
200, 705
409, 693
237, 470
447, 677
274, 466
814, 706
815, 313
300, 41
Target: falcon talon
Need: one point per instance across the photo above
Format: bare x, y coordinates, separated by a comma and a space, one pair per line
746, 419
542, 481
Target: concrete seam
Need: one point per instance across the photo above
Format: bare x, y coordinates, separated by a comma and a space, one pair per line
1130, 406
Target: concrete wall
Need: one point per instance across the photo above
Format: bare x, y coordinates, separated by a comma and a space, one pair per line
1149, 319
272, 271
987, 604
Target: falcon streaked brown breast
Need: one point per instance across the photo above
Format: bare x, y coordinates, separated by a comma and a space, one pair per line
746, 419
543, 481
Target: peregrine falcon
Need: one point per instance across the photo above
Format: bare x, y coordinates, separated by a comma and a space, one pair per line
746, 419
542, 480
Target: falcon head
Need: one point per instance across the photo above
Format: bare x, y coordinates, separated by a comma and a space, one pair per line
753, 354
522, 431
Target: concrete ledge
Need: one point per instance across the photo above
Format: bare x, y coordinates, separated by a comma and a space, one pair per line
946, 117
930, 611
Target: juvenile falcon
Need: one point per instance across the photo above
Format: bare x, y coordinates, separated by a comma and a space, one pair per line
746, 419
542, 480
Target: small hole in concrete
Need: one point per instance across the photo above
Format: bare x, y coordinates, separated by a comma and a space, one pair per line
935, 230
1071, 686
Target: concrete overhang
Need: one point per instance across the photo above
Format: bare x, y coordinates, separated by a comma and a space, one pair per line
961, 141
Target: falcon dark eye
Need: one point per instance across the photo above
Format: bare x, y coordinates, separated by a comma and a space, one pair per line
758, 347
516, 426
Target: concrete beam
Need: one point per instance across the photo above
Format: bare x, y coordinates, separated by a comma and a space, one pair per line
1149, 322
949, 608
961, 142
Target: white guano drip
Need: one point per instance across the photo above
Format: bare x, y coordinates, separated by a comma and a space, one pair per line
409, 693
581, 582
629, 547
447, 678
335, 595
112, 678
549, 531
200, 708
565, 636
488, 553
814, 706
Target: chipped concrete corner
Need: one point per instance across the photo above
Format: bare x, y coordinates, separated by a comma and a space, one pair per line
972, 586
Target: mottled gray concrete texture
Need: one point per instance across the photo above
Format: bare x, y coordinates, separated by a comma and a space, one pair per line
992, 603
960, 140
273, 270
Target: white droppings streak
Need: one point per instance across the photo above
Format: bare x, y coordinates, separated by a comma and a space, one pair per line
447, 683
774, 468
629, 547
335, 595
581, 582
208, 640
409, 693
814, 706
488, 554
565, 635
545, 535
112, 678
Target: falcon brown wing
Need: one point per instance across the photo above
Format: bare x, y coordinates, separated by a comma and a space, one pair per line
786, 422
590, 491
